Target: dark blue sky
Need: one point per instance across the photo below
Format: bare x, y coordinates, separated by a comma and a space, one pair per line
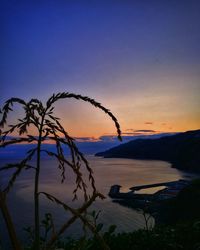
139, 58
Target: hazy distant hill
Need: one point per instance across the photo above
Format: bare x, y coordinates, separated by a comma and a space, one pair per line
85, 145
182, 150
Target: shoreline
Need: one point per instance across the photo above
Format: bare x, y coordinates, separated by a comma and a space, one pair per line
151, 204
173, 164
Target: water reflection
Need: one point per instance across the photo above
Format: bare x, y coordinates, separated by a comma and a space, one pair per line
125, 172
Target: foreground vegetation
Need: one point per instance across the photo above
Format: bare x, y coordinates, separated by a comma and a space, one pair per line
180, 228
40, 117
183, 236
184, 207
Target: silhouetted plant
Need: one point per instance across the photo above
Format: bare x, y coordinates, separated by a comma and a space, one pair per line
182, 236
49, 127
147, 215
9, 223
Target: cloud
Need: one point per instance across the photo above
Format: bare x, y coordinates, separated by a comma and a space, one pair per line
129, 133
108, 137
148, 123
139, 131
146, 131
132, 133
129, 129
86, 139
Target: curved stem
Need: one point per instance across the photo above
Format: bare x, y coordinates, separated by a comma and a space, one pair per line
9, 223
36, 188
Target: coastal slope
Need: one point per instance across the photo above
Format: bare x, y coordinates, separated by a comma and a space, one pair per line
182, 150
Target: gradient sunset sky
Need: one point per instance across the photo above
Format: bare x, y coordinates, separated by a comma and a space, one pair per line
140, 59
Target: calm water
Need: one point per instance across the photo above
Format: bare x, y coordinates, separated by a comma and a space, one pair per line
125, 172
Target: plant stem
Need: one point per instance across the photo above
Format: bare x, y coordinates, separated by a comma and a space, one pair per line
36, 188
9, 223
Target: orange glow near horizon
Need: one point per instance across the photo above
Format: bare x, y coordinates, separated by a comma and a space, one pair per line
159, 112
94, 133
141, 61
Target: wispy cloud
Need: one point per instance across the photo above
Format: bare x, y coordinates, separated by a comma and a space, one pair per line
148, 123
146, 131
87, 139
139, 131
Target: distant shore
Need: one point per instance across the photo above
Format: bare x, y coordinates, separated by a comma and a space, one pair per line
181, 150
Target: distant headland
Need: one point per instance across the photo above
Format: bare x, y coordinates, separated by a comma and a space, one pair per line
182, 150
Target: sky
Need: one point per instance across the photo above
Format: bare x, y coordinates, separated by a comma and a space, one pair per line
140, 59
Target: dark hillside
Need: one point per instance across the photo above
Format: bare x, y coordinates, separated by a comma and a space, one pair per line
182, 150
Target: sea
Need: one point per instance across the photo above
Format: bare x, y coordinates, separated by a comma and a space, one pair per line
106, 171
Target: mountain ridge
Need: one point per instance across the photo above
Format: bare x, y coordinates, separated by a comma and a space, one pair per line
181, 149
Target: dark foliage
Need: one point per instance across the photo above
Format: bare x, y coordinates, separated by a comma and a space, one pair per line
183, 236
184, 207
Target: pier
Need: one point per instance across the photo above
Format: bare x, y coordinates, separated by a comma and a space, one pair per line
165, 184
171, 189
